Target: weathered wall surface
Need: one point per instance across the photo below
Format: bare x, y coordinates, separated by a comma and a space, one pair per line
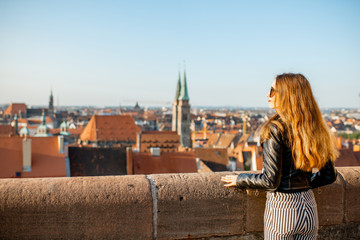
162, 206
88, 161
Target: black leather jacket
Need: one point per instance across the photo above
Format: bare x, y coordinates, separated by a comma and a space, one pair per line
279, 173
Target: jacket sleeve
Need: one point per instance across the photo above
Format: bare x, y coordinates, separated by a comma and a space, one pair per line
270, 178
325, 176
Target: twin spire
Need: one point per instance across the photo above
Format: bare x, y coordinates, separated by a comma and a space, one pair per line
181, 89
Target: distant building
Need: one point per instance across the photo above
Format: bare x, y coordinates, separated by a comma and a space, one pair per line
247, 156
43, 129
137, 107
223, 140
16, 108
32, 112
243, 153
181, 112
51, 111
108, 131
32, 157
167, 141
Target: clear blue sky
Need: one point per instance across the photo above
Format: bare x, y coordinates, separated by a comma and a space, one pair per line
117, 52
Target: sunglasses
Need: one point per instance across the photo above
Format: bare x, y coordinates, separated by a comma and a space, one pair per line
272, 92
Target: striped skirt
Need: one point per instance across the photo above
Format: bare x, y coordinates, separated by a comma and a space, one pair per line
290, 216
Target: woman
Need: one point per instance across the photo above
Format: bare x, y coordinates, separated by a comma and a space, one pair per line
295, 141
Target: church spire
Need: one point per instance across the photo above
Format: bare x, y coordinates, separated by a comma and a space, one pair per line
51, 99
51, 105
178, 88
43, 118
184, 92
43, 130
181, 112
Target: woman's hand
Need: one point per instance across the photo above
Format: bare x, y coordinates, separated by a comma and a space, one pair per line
230, 180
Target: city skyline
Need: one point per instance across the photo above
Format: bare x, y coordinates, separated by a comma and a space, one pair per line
113, 53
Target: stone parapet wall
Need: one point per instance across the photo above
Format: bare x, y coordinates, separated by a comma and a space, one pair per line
159, 206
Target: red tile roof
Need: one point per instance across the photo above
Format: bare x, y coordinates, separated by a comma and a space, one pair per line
151, 117
21, 120
167, 162
244, 138
350, 120
28, 127
134, 114
201, 134
216, 155
14, 108
236, 132
110, 128
75, 131
347, 158
6, 130
45, 157
213, 139
225, 140
39, 121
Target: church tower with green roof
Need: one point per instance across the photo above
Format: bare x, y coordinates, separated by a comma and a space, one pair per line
43, 129
181, 112
175, 105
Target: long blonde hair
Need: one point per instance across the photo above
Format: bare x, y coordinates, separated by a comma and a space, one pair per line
299, 117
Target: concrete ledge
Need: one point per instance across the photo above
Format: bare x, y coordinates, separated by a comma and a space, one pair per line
197, 205
330, 201
162, 206
351, 178
76, 208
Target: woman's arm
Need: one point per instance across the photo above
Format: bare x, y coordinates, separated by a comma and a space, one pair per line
325, 176
272, 166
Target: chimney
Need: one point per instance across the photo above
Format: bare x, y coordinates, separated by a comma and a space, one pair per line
155, 152
253, 160
16, 125
138, 141
26, 155
129, 161
61, 143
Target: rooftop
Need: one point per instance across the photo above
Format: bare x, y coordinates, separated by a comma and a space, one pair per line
15, 108
110, 128
46, 159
